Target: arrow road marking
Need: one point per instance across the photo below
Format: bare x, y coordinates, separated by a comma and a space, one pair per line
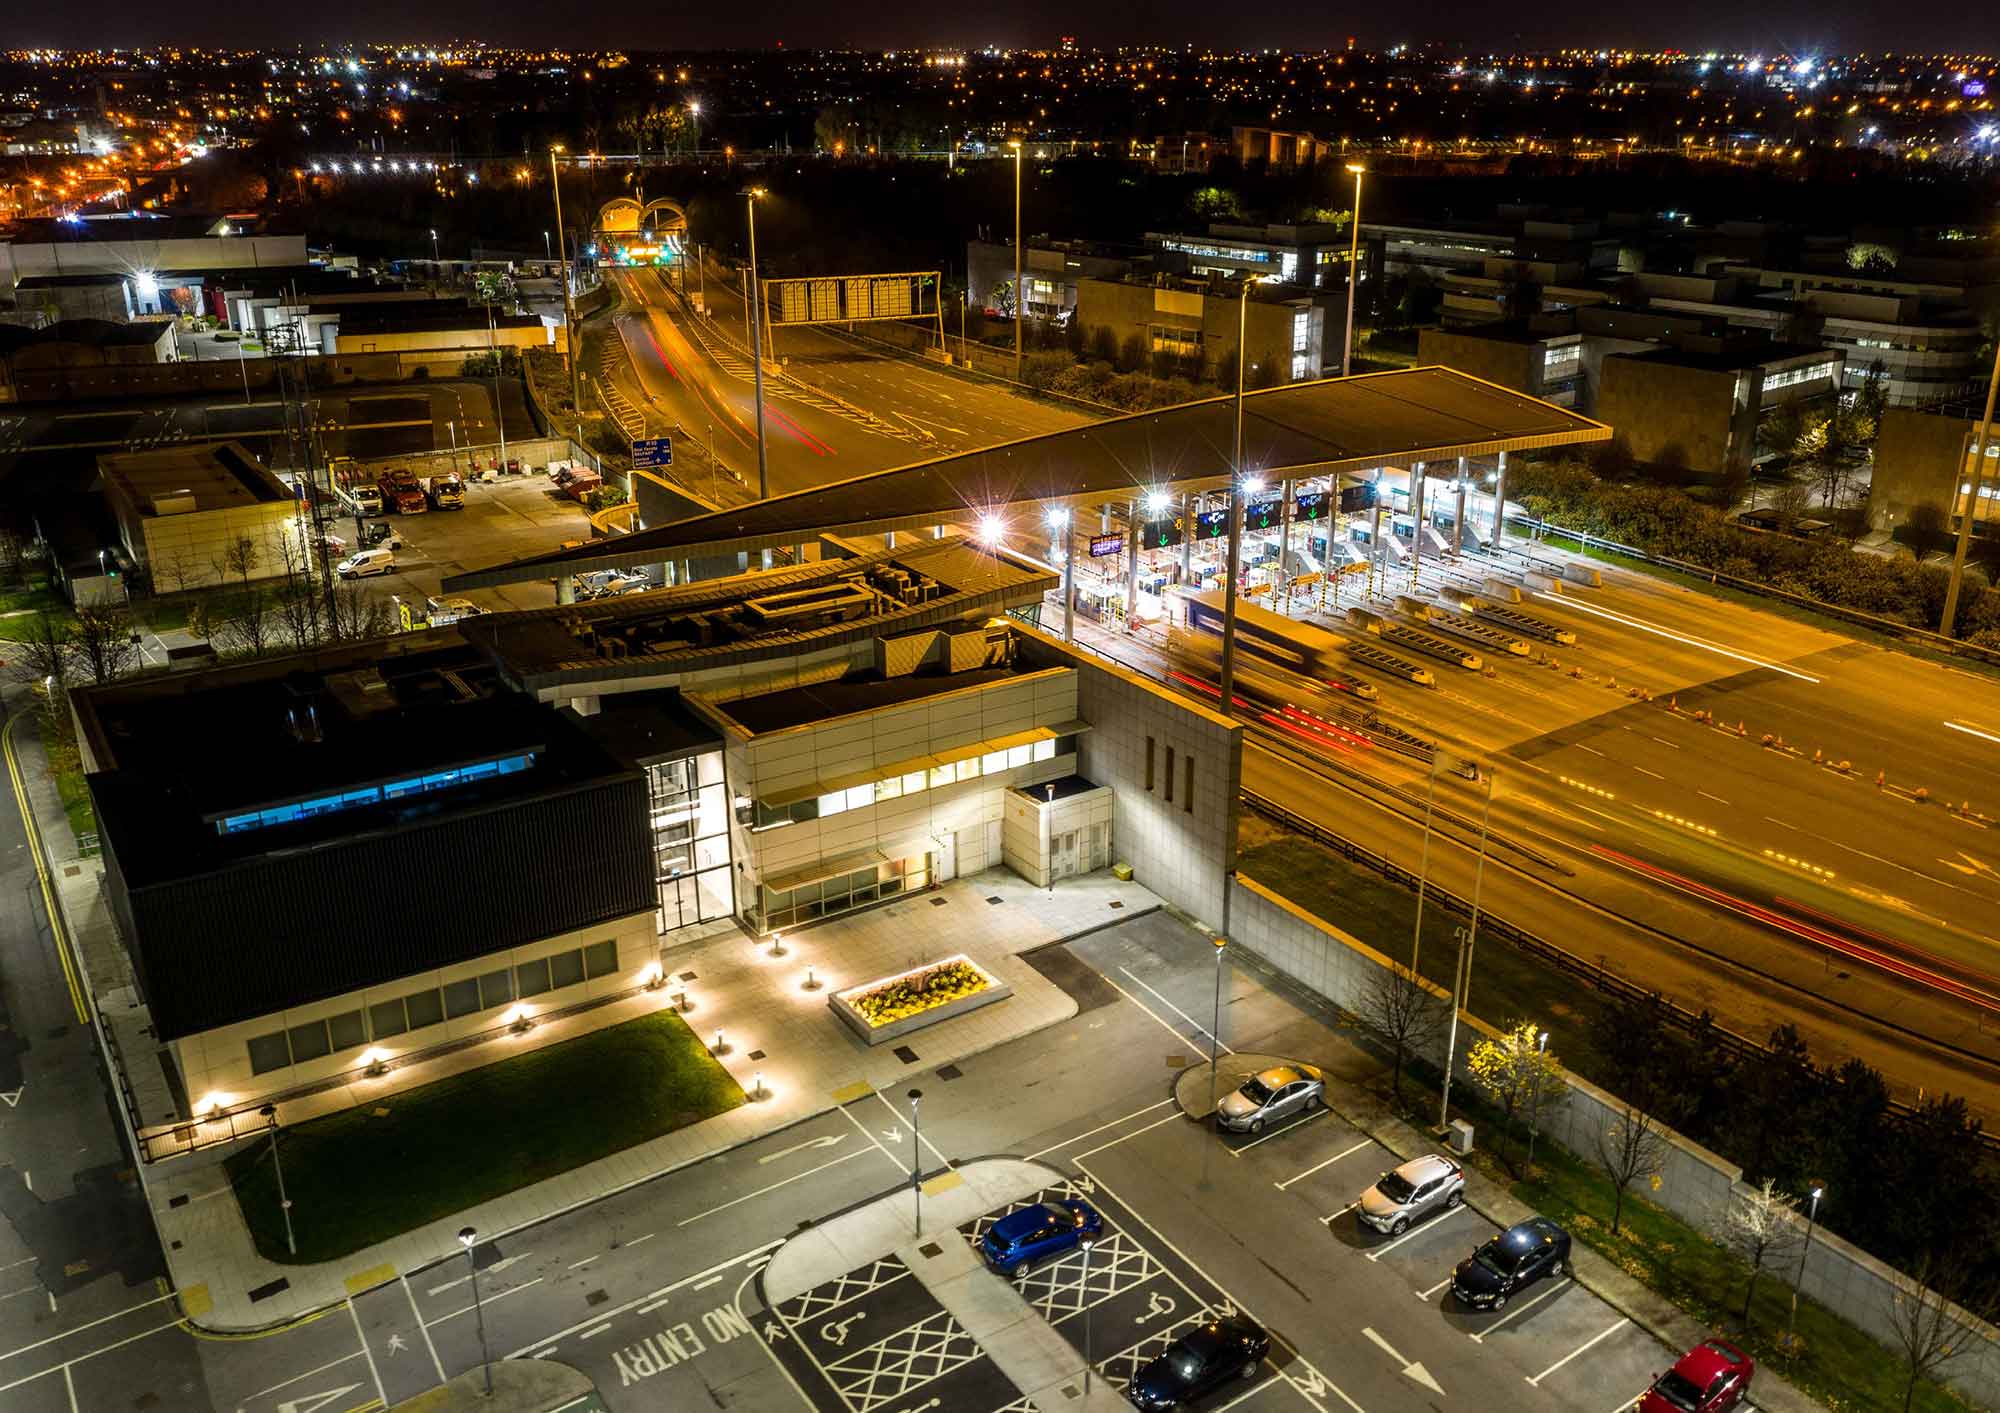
892, 1135
826, 1141
314, 1401
1411, 1369
14, 1098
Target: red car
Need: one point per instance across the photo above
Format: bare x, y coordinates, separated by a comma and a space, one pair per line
1713, 1377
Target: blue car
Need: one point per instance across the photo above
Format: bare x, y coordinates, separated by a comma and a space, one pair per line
1038, 1233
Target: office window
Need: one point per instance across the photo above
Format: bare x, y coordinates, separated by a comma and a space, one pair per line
461, 998
1187, 791
566, 969
308, 1041
913, 782
268, 1052
1044, 750
496, 988
1170, 775
1149, 762
533, 977
425, 1008
860, 796
940, 775
968, 769
347, 1030
600, 959
993, 762
834, 803
385, 1018
889, 789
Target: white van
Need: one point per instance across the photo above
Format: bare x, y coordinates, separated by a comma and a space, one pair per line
365, 562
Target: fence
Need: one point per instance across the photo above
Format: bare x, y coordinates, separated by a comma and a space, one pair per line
1695, 1185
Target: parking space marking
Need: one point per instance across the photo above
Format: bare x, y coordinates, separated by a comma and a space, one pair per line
1152, 1013
1343, 1153
1074, 1138
1379, 1252
1299, 1122
1123, 1137
1588, 1344
1479, 1337
425, 1329
1336, 1216
1179, 1012
1252, 1391
1427, 1294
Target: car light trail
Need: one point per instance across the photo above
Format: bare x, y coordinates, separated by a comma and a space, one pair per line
1669, 633
1881, 959
1973, 731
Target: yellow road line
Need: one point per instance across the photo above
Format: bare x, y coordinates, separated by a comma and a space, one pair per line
69, 965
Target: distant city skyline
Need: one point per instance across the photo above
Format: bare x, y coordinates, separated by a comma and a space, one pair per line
1790, 26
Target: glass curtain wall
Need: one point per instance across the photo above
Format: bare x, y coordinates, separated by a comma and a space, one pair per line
690, 812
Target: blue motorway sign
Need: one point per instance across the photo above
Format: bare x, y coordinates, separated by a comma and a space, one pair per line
651, 452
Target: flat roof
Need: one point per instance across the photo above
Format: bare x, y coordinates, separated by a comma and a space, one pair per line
716, 623
217, 475
642, 727
867, 691
1316, 428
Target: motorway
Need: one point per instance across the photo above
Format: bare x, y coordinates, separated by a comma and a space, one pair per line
655, 1294
882, 412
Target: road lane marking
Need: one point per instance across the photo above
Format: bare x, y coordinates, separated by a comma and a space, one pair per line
105, 1349
1706, 796
1665, 742
1178, 1011
595, 1330
300, 1378
381, 1393
704, 1285
1343, 1153
648, 1237
1270, 1134
1587, 1345
773, 1187
1075, 1138
1654, 773
1521, 1309
1416, 1229
654, 1296
1668, 633
101, 1319
1973, 731
1772, 819
436, 1362
1123, 1137
490, 1297
1593, 750
579, 1265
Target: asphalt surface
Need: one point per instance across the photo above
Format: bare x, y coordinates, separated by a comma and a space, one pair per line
653, 1292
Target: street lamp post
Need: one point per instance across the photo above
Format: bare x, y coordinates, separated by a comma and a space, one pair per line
1236, 494
694, 116
1535, 1109
569, 299
1215, 1021
466, 1236
1059, 522
1353, 271
1812, 1216
1084, 1295
750, 195
1020, 291
548, 251
1980, 443
499, 413
434, 248
270, 1113
916, 1160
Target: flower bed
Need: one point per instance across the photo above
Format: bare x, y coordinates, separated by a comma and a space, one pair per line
896, 1005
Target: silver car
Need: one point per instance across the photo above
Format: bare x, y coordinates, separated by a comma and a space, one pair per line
1420, 1187
1277, 1093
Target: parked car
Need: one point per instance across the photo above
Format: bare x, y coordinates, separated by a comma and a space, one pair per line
1277, 1093
1511, 1262
1038, 1233
1713, 1377
363, 563
1202, 1359
1420, 1188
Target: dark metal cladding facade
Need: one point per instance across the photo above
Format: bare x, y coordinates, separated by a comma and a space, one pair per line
286, 929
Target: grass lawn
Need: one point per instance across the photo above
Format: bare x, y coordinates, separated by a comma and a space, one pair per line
1507, 985
356, 1178
76, 802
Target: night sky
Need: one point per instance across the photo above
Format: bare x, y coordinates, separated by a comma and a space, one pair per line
1794, 26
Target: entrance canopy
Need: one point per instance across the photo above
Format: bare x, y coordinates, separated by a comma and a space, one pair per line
1304, 429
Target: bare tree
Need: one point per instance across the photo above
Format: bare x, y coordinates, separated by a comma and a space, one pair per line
355, 612
1404, 1012
103, 643
1762, 1227
1631, 1147
1926, 1328
302, 607
42, 653
13, 555
251, 627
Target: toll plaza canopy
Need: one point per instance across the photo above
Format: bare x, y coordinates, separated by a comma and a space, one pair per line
1304, 429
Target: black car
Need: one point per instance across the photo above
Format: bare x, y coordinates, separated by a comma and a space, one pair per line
1198, 1361
1510, 1262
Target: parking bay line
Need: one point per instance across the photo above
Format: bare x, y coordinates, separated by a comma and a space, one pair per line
1345, 1152
1379, 1252
1592, 1342
1267, 1137
1178, 1011
1427, 1294
1076, 1138
1480, 1336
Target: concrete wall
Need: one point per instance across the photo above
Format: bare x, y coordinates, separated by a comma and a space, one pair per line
215, 1065
186, 551
1695, 1185
1914, 458
189, 376
1660, 407
1181, 848
1509, 363
1127, 309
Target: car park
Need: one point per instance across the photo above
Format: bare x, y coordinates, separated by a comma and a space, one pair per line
1264, 1098
363, 563
1510, 1262
1203, 1359
1420, 1188
1713, 1377
1040, 1232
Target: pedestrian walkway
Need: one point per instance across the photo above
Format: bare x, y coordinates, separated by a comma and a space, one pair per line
971, 1317
779, 1040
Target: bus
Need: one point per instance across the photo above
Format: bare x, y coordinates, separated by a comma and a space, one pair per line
1283, 642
